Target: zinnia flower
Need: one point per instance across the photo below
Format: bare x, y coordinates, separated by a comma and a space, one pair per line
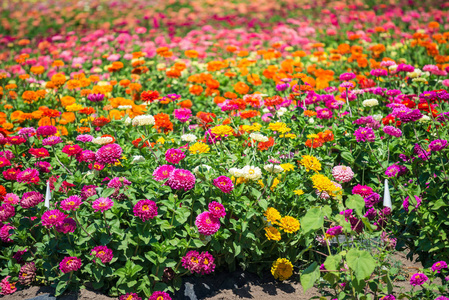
362, 190
103, 253
418, 279
364, 134
174, 155
27, 273
272, 215
282, 269
224, 183
163, 172
272, 233
289, 224
28, 176
217, 209
52, 218
207, 223
438, 145
181, 179
7, 287
6, 211
310, 163
130, 296
70, 264
31, 199
438, 266
71, 203
72, 150
145, 209
160, 296
102, 204
109, 154
68, 225
342, 173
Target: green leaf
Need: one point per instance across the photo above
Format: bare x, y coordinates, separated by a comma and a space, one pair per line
361, 262
263, 203
357, 203
332, 262
61, 287
313, 220
348, 157
310, 276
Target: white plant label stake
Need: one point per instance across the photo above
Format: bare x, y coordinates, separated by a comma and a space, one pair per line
387, 198
47, 195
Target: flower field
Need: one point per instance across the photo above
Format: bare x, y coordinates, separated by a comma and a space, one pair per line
142, 142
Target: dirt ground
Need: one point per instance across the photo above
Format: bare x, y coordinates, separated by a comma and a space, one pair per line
236, 285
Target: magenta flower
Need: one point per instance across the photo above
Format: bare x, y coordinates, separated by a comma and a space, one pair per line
4, 162
84, 138
88, 191
217, 209
28, 176
51, 140
162, 172
334, 231
11, 198
181, 179
393, 131
174, 155
31, 199
44, 167
160, 296
191, 261
109, 154
438, 145
224, 184
86, 156
347, 76
6, 211
102, 204
362, 190
207, 223
438, 266
145, 209
68, 225
130, 296
52, 218
71, 203
46, 130
6, 231
117, 182
406, 202
372, 200
392, 171
103, 253
364, 134
418, 279
206, 261
183, 114
378, 72
70, 264
342, 173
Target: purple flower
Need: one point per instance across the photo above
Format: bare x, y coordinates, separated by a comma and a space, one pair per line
411, 116
418, 279
438, 145
282, 87
364, 134
95, 97
372, 200
438, 266
393, 131
224, 184
392, 171
418, 150
371, 214
334, 231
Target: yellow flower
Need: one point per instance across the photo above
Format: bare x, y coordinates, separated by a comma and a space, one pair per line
312, 136
252, 128
290, 224
199, 148
74, 107
124, 157
288, 135
160, 140
272, 215
222, 130
272, 233
282, 269
275, 183
324, 184
260, 182
287, 167
310, 163
279, 126
298, 192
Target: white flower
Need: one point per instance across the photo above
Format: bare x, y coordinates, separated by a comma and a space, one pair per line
370, 103
258, 137
236, 172
252, 173
281, 111
102, 140
143, 120
420, 79
265, 110
377, 117
138, 159
128, 121
424, 119
125, 107
188, 137
201, 169
393, 68
415, 74
272, 168
311, 121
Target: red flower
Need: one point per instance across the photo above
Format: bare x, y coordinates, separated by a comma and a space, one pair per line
72, 150
149, 96
265, 145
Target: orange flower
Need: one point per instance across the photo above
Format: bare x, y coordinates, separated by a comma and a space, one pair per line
58, 63
231, 48
185, 104
230, 95
100, 121
67, 100
38, 70
191, 53
83, 129
173, 73
310, 113
241, 88
58, 80
162, 122
249, 114
196, 90
29, 97
218, 100
87, 110
51, 113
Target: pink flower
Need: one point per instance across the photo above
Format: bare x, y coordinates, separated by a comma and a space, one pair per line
160, 296
109, 154
11, 198
145, 209
7, 287
52, 218
51, 141
181, 179
70, 264
224, 184
162, 172
130, 296
28, 176
72, 150
198, 263
207, 264
207, 224
342, 173
4, 162
46, 130
418, 279
71, 203
6, 232
217, 209
117, 182
6, 211
362, 190
183, 114
31, 199
68, 225
103, 253
174, 155
102, 204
